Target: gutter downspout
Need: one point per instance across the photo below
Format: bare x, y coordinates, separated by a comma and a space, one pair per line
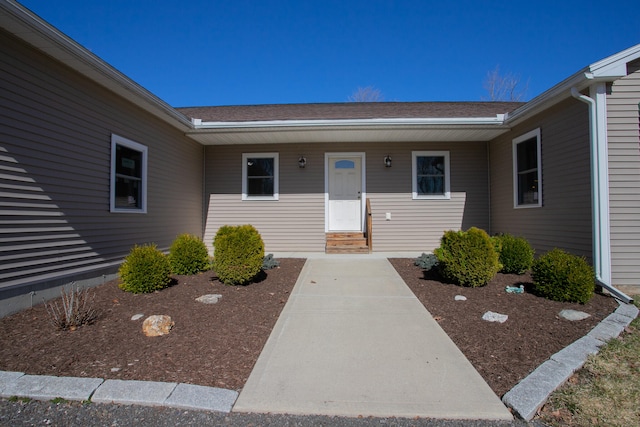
600, 191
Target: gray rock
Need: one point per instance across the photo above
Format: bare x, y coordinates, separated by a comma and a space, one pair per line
209, 299
137, 316
490, 316
573, 315
460, 298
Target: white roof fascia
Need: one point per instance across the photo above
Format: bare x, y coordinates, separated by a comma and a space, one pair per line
29, 27
608, 69
615, 66
340, 123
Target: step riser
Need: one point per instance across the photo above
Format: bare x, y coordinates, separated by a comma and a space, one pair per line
346, 243
347, 251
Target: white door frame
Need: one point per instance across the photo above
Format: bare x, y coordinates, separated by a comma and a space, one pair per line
363, 183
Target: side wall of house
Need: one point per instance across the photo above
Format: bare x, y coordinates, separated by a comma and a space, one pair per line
55, 153
296, 222
564, 220
623, 124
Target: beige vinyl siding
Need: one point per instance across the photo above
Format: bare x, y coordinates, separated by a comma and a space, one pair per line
564, 220
55, 150
623, 122
296, 222
418, 225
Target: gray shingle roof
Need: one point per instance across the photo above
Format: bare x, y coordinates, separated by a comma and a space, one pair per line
350, 110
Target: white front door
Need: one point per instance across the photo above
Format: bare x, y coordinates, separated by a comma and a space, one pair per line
344, 193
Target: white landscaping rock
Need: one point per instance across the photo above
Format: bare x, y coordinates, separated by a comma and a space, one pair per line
490, 316
460, 298
137, 316
573, 315
209, 299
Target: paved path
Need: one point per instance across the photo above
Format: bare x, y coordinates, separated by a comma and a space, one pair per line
353, 340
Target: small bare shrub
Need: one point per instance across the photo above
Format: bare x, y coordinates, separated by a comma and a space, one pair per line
77, 309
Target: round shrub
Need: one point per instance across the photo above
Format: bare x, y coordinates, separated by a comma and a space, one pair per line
560, 276
188, 255
516, 254
467, 257
426, 261
144, 270
238, 254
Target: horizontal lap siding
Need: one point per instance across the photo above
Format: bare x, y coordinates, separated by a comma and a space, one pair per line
564, 220
55, 149
624, 177
296, 222
418, 225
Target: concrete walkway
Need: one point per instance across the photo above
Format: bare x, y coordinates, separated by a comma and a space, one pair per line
353, 340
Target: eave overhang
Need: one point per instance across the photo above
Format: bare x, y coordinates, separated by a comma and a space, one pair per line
30, 28
352, 130
606, 70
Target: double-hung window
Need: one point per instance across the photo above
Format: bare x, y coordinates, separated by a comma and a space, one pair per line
260, 176
430, 175
128, 176
527, 170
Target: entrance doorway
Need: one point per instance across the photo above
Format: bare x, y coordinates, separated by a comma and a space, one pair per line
344, 191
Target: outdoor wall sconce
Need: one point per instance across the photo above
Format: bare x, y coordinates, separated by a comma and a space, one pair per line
302, 162
387, 161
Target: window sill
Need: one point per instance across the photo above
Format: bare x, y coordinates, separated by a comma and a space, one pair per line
434, 197
259, 198
131, 211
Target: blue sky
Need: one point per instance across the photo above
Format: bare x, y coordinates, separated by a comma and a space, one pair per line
238, 52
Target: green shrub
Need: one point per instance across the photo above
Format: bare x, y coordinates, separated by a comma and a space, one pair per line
560, 276
426, 261
188, 255
238, 254
145, 269
516, 254
467, 257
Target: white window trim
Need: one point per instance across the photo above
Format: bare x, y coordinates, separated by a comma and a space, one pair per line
414, 176
276, 174
514, 148
119, 140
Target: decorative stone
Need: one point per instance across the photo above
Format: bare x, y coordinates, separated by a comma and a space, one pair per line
460, 298
137, 316
490, 316
209, 299
157, 325
573, 315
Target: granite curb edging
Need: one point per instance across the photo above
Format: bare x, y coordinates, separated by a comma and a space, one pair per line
528, 396
126, 392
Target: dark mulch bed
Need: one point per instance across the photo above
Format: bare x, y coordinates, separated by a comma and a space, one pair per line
218, 345
503, 353
213, 345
